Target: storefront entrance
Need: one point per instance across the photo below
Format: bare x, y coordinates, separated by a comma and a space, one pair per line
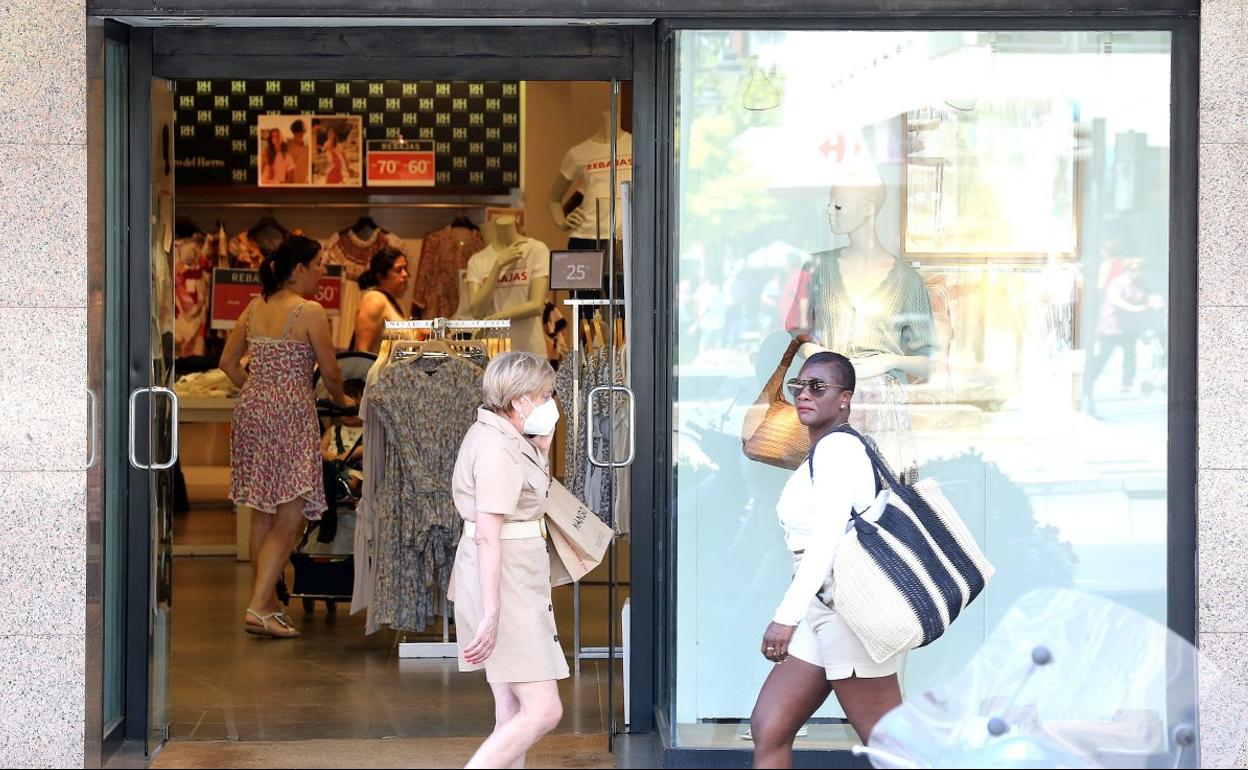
1023, 217
436, 142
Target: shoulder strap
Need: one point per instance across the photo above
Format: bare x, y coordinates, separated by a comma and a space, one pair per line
249, 312
881, 470
290, 322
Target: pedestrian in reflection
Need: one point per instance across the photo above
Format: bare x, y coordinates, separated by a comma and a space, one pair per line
1122, 317
814, 651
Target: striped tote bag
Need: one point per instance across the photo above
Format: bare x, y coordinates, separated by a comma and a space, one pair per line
906, 568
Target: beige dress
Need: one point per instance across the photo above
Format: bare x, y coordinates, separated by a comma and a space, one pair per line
498, 471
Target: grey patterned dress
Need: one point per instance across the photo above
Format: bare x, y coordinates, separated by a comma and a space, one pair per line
895, 318
590, 485
424, 413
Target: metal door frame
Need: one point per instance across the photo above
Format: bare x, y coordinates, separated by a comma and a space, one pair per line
154, 52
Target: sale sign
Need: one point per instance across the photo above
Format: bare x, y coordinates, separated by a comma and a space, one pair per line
233, 289
393, 163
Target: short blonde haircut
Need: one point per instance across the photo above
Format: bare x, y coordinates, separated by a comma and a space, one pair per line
512, 376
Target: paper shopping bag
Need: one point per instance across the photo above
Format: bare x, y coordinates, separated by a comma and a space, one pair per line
579, 537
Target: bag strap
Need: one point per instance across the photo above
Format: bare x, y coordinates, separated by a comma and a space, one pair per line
880, 469
776, 382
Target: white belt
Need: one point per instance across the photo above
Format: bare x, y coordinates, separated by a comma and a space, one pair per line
513, 530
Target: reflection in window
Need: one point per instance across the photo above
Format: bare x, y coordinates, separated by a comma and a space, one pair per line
980, 220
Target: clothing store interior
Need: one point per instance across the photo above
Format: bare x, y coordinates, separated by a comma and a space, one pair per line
450, 175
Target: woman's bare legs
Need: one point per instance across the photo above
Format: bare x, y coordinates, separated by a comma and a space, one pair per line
271, 557
261, 525
865, 700
532, 710
794, 691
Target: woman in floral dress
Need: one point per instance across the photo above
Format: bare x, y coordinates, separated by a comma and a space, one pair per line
275, 444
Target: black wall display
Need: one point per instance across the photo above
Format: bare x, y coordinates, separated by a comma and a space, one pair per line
475, 126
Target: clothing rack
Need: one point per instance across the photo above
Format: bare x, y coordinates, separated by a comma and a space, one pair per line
447, 324
439, 326
580, 653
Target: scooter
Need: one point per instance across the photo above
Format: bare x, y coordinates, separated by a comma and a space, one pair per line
1072, 680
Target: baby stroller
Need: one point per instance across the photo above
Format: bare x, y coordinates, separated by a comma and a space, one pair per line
324, 560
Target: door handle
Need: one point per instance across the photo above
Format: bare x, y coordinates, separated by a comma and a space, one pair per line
632, 430
173, 453
134, 458
93, 412
173, 418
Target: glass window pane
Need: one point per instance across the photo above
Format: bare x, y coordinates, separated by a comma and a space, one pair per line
980, 221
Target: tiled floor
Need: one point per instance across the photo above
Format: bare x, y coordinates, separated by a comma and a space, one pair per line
334, 682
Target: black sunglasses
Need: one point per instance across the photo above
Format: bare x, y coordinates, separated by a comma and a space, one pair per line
817, 386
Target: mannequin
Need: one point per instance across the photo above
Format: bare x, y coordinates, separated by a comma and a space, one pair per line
867, 304
509, 279
588, 164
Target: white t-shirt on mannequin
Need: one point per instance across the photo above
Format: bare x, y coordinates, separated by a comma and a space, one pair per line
590, 162
513, 289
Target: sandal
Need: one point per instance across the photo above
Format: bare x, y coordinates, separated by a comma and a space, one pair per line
284, 629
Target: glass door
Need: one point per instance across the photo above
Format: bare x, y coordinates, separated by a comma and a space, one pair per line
153, 408
618, 403
602, 391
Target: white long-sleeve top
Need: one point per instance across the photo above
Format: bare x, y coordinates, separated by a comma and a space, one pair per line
815, 513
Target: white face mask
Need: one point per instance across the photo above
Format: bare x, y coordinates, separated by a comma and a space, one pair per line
542, 420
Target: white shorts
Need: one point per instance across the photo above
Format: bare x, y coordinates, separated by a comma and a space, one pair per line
823, 639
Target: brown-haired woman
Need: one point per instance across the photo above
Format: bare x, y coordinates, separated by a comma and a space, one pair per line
275, 462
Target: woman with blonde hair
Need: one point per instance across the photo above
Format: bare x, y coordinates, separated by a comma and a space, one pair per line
501, 580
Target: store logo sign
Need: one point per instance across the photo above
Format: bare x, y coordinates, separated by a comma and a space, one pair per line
393, 104
272, 86
376, 89
238, 86
326, 103
307, 86
238, 116
290, 102
203, 86
186, 102
342, 89
476, 89
256, 102
359, 104
410, 89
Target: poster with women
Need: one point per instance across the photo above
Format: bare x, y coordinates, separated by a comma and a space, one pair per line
309, 151
284, 158
338, 160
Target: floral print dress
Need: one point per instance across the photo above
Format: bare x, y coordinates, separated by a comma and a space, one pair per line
275, 444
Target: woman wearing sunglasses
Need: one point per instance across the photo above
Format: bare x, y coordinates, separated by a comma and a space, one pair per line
814, 651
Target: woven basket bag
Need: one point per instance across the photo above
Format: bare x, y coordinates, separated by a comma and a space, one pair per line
771, 433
